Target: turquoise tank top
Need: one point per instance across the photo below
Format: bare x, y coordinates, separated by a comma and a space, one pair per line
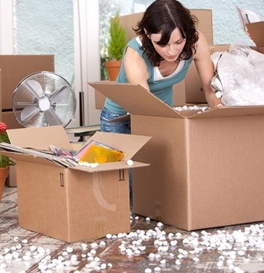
162, 87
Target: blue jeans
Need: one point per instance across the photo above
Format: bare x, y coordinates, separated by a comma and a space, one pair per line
121, 127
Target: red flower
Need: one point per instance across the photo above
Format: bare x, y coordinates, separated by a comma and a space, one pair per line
3, 126
4, 160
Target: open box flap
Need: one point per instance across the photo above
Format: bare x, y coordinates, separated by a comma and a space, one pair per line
39, 138
28, 158
135, 99
256, 31
129, 144
141, 102
101, 167
35, 156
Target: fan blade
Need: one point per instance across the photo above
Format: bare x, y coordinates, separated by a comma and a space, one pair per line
53, 118
28, 112
39, 120
35, 87
17, 104
57, 93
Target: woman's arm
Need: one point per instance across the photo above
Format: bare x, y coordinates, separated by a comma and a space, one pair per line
205, 69
136, 69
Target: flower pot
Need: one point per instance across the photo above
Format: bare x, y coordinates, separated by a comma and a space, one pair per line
112, 68
4, 172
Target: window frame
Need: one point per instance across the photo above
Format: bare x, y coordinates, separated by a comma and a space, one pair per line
6, 27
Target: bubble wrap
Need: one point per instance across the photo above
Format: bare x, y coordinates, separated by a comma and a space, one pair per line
239, 76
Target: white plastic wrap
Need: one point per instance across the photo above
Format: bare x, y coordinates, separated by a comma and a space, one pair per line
240, 76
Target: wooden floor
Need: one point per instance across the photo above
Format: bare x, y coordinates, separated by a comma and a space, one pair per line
149, 247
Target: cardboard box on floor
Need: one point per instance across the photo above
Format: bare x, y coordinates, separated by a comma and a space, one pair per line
189, 89
205, 168
72, 203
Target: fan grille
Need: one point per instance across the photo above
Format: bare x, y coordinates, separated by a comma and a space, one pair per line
44, 99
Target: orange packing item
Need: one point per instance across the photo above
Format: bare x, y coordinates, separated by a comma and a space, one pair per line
100, 154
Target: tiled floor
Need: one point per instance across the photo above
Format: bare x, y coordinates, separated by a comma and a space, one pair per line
149, 247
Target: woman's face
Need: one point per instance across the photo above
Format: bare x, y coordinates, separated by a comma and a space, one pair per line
171, 51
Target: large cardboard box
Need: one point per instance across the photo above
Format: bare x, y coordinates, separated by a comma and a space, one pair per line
188, 90
72, 203
205, 167
16, 67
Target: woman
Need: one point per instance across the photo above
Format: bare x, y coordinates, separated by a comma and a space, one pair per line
160, 56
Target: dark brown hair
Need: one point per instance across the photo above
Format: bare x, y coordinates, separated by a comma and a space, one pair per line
163, 16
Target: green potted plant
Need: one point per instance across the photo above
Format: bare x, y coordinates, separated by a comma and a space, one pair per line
116, 46
5, 162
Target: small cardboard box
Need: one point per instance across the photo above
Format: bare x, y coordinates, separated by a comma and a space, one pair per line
186, 90
206, 169
72, 203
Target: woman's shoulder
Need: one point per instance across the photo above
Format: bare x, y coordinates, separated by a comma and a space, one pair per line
135, 42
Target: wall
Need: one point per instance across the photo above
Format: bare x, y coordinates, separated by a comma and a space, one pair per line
226, 24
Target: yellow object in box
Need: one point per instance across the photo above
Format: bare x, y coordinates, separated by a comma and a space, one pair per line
100, 154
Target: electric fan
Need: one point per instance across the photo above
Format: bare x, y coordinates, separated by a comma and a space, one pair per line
44, 99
